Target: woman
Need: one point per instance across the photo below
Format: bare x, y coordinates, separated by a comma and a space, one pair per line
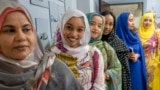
23, 66
155, 19
150, 40
71, 43
125, 31
109, 35
111, 62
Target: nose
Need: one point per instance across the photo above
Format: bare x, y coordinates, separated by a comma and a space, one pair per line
20, 36
106, 26
95, 27
74, 32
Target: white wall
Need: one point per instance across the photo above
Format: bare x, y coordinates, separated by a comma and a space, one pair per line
36, 11
42, 19
122, 1
86, 5
154, 5
127, 1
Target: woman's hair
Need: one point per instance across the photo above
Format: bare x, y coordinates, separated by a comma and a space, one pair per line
104, 13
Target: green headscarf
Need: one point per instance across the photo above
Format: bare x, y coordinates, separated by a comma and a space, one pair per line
89, 16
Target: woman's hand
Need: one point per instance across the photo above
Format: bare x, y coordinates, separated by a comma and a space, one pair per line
133, 56
106, 76
150, 71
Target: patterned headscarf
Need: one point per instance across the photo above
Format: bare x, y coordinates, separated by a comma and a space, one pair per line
112, 38
146, 33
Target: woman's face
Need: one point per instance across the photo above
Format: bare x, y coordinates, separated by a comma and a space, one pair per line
131, 21
95, 26
73, 31
17, 38
147, 22
109, 23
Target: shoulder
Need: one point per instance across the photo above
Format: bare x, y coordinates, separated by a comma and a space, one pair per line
94, 49
119, 45
107, 46
61, 71
62, 77
57, 65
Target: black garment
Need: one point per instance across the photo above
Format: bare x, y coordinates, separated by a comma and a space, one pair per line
122, 53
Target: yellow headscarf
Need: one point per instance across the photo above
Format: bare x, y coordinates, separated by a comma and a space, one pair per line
146, 33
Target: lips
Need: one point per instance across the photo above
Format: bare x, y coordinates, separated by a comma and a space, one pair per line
21, 47
72, 39
106, 31
94, 32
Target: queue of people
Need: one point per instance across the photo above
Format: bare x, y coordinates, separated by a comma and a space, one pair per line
93, 51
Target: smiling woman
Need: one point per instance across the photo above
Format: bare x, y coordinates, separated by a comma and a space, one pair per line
71, 46
73, 31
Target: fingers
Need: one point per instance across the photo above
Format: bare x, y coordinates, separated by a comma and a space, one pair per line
133, 57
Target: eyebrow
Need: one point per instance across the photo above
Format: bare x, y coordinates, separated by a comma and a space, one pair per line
69, 24
95, 22
26, 25
12, 26
72, 25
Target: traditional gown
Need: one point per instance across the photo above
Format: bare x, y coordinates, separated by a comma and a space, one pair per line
150, 39
131, 40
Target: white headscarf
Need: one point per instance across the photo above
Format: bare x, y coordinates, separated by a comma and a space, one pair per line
59, 39
75, 13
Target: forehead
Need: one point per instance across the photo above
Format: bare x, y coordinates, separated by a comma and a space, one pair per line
108, 17
131, 16
96, 16
14, 16
75, 20
148, 17
97, 19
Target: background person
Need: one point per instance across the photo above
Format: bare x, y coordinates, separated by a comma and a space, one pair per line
125, 31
